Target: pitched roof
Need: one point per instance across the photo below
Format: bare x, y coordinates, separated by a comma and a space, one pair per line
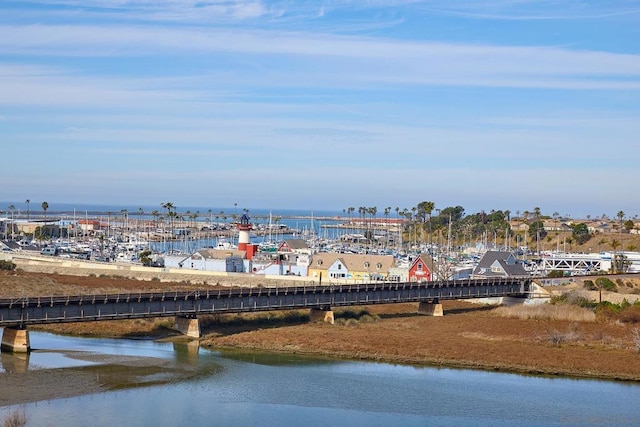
426, 259
353, 262
294, 244
221, 253
506, 260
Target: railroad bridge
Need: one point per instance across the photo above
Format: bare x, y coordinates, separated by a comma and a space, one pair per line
16, 314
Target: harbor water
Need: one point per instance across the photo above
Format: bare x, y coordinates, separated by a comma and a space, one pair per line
227, 388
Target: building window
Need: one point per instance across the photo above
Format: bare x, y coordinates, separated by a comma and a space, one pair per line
339, 266
379, 265
319, 262
366, 265
419, 266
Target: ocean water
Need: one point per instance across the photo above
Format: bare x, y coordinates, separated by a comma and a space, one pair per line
82, 208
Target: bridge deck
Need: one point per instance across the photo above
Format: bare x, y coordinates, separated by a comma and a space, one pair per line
54, 309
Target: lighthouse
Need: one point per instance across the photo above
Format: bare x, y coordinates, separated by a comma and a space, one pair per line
244, 237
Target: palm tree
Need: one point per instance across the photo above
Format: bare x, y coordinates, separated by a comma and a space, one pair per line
620, 216
372, 212
387, 211
351, 210
536, 212
108, 223
556, 216
171, 214
125, 220
614, 245
12, 209
140, 212
156, 215
427, 208
413, 210
45, 206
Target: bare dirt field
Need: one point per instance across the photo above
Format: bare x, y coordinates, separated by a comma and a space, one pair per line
469, 335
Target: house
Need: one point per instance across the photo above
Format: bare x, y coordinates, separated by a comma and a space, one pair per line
352, 267
498, 264
89, 224
599, 227
518, 226
297, 246
421, 269
552, 225
230, 261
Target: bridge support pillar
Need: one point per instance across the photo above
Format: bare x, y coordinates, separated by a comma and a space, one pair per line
430, 309
321, 315
15, 340
188, 326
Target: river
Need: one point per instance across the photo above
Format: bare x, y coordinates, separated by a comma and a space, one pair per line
166, 384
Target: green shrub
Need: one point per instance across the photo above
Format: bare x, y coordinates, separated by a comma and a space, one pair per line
589, 285
624, 312
369, 319
295, 317
351, 322
7, 265
606, 284
555, 274
573, 298
352, 314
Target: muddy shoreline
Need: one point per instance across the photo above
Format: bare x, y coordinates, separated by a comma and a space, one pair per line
468, 336
95, 373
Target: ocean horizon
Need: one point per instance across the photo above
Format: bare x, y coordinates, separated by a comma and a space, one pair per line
132, 210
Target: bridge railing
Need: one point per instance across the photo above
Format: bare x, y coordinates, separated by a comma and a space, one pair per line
50, 309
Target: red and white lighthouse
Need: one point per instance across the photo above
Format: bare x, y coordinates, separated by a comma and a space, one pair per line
244, 236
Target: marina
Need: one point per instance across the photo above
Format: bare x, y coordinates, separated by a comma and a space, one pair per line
168, 238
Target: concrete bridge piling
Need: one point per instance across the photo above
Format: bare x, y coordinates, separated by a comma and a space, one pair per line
15, 340
431, 308
321, 315
188, 325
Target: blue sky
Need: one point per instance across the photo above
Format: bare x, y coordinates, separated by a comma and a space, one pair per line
322, 104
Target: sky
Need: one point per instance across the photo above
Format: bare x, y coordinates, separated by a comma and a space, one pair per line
484, 104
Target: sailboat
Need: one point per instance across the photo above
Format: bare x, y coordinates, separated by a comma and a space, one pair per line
268, 245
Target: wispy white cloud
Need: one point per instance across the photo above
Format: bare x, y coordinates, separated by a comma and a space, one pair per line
525, 10
343, 59
359, 96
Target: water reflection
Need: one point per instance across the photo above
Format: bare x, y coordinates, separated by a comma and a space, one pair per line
151, 383
14, 363
274, 359
187, 352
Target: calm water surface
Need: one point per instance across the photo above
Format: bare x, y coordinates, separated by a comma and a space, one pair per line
246, 389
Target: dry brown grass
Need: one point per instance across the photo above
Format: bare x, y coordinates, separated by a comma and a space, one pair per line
115, 328
635, 337
548, 312
467, 336
16, 418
